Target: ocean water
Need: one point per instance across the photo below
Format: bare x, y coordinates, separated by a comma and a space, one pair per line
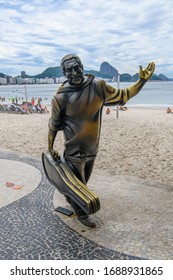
152, 94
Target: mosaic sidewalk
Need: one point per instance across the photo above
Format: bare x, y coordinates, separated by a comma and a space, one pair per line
135, 220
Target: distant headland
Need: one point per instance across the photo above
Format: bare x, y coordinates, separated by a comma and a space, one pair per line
106, 71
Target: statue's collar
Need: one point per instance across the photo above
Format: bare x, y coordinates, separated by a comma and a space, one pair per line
66, 87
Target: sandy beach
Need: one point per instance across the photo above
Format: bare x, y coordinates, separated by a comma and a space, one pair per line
137, 143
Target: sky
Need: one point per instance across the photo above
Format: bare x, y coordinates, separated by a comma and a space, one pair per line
36, 34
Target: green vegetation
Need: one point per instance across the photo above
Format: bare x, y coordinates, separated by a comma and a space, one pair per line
125, 77
50, 72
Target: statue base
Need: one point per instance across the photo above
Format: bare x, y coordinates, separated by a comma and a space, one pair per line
64, 211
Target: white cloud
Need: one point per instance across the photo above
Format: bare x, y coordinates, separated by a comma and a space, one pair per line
124, 33
28, 8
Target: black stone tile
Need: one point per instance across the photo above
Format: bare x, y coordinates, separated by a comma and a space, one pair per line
31, 230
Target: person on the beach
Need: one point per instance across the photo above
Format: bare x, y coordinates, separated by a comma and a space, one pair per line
108, 111
169, 111
43, 109
32, 101
77, 110
123, 108
25, 107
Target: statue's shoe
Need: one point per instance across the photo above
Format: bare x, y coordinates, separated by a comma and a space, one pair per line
86, 221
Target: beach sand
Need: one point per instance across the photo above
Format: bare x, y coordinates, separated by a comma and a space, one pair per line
137, 143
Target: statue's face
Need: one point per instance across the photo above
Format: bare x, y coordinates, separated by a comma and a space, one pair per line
73, 72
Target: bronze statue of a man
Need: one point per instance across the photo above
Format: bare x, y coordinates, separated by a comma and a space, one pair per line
77, 110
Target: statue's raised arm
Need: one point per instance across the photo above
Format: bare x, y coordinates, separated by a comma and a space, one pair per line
144, 76
147, 72
116, 96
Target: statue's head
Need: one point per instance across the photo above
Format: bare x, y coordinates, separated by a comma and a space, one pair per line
72, 68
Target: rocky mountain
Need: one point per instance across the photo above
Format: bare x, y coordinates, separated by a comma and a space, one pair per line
107, 69
125, 77
163, 77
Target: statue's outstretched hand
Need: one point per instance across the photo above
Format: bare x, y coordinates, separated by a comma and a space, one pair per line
55, 155
147, 72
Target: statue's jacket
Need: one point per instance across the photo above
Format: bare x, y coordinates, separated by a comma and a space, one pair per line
77, 110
